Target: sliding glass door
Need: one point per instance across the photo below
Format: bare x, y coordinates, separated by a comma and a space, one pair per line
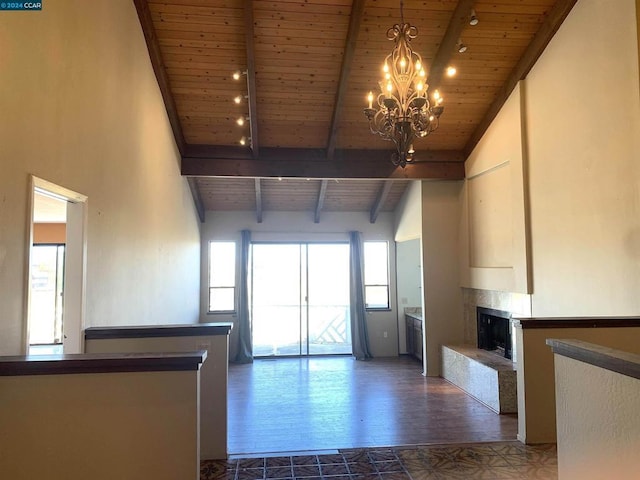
276, 308
328, 299
300, 299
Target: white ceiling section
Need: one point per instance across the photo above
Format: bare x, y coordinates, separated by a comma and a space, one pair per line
48, 209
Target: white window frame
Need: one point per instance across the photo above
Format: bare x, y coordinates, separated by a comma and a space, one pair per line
386, 285
232, 286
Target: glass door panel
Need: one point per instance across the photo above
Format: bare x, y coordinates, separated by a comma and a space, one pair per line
328, 299
276, 299
300, 299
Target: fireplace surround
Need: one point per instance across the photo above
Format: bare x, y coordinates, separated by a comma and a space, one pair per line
494, 331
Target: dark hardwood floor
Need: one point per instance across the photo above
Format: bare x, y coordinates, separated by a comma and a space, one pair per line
329, 403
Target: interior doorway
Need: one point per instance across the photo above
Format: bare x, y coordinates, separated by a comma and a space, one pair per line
56, 269
300, 299
47, 287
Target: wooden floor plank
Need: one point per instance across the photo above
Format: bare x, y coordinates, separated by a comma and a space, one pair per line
325, 403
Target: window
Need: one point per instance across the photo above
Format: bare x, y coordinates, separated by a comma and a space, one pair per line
376, 275
222, 277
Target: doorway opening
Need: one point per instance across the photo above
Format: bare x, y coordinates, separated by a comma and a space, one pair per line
47, 287
56, 269
300, 299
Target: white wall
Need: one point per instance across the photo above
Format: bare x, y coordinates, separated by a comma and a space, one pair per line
299, 227
431, 211
408, 214
494, 253
442, 310
598, 438
583, 121
82, 109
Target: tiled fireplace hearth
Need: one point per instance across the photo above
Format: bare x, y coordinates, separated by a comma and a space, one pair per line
487, 373
484, 375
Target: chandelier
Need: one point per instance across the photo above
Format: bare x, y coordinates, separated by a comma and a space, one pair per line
402, 110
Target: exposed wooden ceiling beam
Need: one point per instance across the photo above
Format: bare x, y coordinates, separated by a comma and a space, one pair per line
197, 199
258, 200
146, 22
357, 8
312, 163
151, 39
217, 151
382, 196
270, 153
537, 45
459, 19
321, 194
251, 76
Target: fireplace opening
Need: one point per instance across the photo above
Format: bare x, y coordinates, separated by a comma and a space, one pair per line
494, 331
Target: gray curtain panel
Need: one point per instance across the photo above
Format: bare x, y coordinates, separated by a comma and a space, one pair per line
359, 334
245, 344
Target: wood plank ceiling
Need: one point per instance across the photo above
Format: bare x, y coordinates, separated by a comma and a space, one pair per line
306, 68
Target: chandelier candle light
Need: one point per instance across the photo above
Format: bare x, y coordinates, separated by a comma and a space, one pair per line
402, 110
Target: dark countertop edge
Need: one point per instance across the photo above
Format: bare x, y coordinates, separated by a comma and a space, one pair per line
149, 331
604, 357
575, 322
100, 363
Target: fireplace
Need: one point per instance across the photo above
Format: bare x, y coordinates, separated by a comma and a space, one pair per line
494, 331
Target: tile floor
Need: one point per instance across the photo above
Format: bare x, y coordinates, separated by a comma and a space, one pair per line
491, 461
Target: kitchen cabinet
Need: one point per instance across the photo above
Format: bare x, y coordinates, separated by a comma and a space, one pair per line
414, 336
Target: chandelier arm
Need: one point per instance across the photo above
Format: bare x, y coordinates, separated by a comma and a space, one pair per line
381, 124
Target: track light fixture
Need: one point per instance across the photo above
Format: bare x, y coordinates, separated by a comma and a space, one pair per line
238, 100
237, 74
473, 20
